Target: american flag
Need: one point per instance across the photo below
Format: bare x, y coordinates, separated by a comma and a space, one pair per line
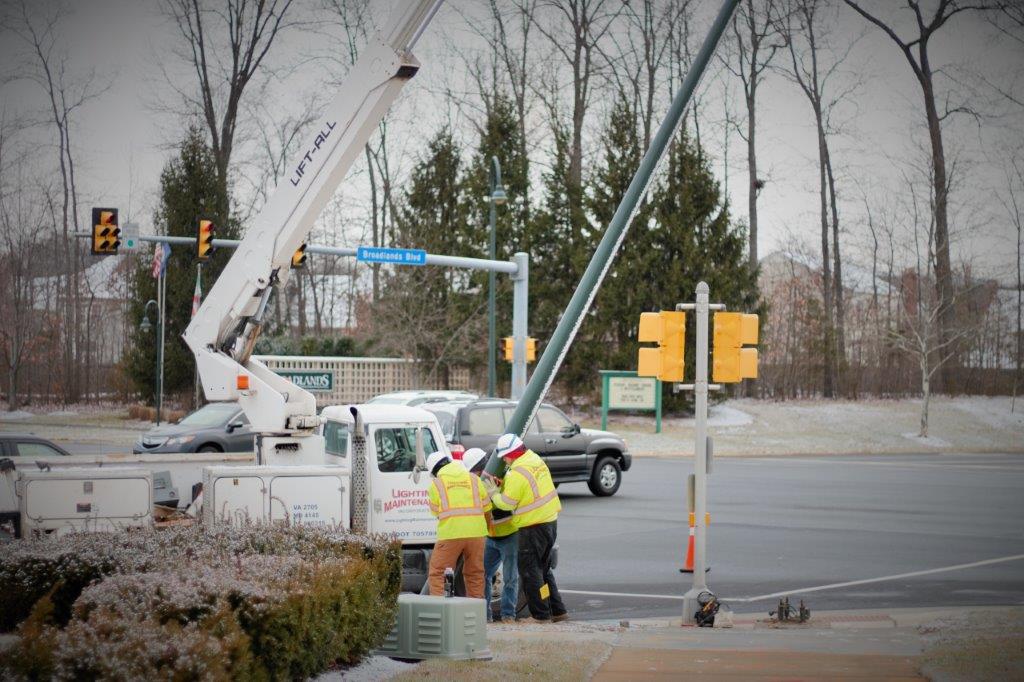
160, 255
198, 295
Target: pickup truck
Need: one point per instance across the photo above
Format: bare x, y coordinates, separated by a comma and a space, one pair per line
571, 453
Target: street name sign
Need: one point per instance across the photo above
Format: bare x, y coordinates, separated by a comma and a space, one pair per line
375, 254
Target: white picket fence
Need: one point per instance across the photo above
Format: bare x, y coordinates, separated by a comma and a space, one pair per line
359, 379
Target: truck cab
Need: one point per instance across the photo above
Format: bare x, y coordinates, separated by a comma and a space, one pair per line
384, 447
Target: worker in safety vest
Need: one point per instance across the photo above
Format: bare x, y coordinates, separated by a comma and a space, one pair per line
529, 493
459, 501
500, 550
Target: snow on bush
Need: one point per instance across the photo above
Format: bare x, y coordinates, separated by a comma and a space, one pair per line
186, 604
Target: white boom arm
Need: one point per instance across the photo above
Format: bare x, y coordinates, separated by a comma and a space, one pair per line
223, 332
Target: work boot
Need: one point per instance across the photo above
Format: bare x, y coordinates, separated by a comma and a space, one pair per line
560, 618
530, 620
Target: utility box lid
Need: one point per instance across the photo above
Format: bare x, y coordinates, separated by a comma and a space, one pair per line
85, 499
438, 627
308, 495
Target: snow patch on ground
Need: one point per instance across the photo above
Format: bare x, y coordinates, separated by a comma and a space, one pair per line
63, 413
930, 441
372, 668
723, 415
15, 415
994, 412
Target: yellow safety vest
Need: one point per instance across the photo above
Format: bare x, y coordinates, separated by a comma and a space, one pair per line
528, 492
502, 526
458, 499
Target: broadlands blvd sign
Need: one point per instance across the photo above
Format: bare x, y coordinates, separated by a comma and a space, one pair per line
311, 381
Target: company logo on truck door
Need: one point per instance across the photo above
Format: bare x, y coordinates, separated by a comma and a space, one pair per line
321, 137
405, 498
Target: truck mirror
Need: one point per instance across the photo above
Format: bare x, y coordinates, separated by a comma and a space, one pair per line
421, 459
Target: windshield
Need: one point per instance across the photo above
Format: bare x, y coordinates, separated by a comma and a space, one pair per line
214, 414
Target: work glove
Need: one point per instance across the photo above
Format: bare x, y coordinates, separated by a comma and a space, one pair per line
489, 486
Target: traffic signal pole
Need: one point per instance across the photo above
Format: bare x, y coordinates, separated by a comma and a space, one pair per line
600, 262
700, 451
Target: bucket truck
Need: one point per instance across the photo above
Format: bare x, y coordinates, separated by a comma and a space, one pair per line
354, 466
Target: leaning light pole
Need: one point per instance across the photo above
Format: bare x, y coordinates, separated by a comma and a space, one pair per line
601, 261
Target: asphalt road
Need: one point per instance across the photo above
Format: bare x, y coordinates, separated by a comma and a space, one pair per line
794, 523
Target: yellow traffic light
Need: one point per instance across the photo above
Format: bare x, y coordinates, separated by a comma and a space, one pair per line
507, 346
299, 258
668, 330
531, 349
204, 239
106, 233
731, 362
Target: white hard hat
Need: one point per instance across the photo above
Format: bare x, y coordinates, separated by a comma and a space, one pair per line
507, 444
435, 458
472, 457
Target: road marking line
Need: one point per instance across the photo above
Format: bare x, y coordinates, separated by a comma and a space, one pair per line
819, 588
913, 574
623, 594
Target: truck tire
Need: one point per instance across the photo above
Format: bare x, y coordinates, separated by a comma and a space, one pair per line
606, 477
210, 447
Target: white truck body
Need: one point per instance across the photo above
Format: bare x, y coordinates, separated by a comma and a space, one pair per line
371, 480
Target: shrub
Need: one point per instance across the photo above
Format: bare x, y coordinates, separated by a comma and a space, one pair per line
233, 603
66, 565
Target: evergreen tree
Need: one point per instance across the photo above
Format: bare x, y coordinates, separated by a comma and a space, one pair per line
607, 339
499, 137
434, 313
681, 236
555, 267
188, 190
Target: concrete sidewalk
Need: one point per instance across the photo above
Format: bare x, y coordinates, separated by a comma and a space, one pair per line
839, 645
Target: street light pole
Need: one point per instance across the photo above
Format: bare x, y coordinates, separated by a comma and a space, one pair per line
497, 196
145, 326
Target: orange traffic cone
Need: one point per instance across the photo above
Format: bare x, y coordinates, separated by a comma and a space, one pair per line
688, 566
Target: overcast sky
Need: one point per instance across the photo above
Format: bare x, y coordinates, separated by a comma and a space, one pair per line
122, 140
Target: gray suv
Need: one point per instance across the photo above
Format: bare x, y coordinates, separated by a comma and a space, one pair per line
215, 427
571, 453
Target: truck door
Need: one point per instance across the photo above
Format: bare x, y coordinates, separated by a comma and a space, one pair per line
398, 503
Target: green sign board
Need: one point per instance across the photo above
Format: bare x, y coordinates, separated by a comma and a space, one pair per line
321, 382
627, 391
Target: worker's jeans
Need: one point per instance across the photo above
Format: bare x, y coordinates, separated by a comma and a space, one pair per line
446, 555
502, 552
536, 544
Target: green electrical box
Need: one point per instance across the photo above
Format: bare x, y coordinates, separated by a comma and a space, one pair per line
438, 627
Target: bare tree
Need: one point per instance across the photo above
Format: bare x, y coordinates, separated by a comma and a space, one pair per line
814, 67
756, 42
916, 51
1011, 201
225, 46
584, 23
917, 332
49, 68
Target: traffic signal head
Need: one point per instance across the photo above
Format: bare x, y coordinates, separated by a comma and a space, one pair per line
507, 346
299, 258
106, 233
531, 349
204, 239
668, 330
731, 362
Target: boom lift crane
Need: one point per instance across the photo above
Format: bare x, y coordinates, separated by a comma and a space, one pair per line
225, 329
